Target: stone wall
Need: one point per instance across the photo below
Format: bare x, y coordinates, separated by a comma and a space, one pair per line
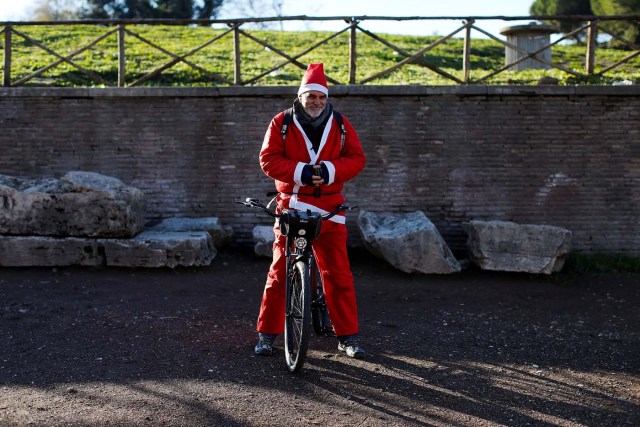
564, 156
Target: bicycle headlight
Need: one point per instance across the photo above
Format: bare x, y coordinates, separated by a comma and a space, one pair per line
300, 242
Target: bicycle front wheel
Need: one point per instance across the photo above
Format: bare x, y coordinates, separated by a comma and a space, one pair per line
297, 317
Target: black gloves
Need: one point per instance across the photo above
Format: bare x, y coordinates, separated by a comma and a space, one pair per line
307, 174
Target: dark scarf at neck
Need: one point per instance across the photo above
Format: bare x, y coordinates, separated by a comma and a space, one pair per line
313, 128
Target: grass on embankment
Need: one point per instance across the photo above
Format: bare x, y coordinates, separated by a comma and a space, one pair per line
373, 57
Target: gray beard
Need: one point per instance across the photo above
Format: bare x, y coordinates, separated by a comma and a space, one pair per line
305, 119
312, 115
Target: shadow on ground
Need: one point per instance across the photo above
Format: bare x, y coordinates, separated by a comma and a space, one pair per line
174, 347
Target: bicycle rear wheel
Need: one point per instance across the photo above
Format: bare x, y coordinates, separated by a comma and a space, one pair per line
319, 313
297, 317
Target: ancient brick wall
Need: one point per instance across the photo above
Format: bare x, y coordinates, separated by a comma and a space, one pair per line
565, 156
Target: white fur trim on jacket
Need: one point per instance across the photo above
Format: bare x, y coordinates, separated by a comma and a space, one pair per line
332, 171
297, 175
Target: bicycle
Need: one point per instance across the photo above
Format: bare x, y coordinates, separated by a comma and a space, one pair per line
305, 303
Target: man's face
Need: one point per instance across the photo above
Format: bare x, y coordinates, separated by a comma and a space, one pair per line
313, 102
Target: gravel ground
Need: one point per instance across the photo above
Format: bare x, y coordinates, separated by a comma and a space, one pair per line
123, 347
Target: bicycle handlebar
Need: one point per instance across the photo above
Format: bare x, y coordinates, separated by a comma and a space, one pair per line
255, 203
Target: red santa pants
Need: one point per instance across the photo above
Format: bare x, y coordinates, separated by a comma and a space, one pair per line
330, 250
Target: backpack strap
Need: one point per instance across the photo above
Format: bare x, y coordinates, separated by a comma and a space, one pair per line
343, 129
288, 118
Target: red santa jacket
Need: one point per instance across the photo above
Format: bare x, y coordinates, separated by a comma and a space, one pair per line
285, 165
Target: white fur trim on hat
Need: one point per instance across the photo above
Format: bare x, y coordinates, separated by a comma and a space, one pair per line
313, 86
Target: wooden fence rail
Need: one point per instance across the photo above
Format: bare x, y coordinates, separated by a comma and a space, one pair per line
126, 29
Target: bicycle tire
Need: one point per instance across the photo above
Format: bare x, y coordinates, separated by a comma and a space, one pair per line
297, 317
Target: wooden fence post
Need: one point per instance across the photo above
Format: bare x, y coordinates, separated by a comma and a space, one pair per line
466, 60
121, 57
352, 53
237, 74
7, 56
592, 34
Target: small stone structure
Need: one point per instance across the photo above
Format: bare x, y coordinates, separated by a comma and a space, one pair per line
530, 38
89, 219
507, 246
409, 242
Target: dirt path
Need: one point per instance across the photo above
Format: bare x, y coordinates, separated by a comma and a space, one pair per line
83, 347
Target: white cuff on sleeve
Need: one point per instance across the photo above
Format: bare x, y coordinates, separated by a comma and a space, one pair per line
297, 175
332, 171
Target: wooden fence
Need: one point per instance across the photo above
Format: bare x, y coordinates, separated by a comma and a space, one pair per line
123, 30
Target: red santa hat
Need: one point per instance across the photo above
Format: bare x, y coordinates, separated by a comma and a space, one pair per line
314, 79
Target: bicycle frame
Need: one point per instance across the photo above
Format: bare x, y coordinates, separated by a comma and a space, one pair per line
304, 293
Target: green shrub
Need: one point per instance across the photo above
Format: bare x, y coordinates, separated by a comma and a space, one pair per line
601, 263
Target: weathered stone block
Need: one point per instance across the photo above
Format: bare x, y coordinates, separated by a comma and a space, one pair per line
80, 204
148, 249
39, 251
409, 242
221, 234
160, 249
263, 237
508, 246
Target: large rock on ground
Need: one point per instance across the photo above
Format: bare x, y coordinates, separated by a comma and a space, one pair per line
221, 234
39, 251
148, 249
508, 246
80, 204
160, 249
263, 238
409, 242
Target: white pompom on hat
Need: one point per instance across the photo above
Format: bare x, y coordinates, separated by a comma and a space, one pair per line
314, 79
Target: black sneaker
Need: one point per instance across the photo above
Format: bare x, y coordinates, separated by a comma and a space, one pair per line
351, 347
265, 345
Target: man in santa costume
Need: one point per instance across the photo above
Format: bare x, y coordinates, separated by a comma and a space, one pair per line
310, 164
